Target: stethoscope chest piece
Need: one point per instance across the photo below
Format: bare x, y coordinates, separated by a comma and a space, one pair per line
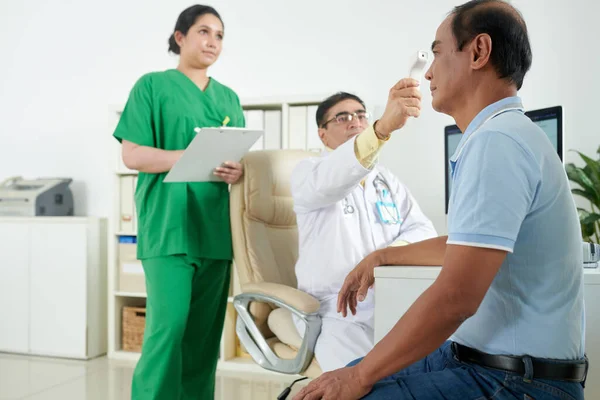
348, 208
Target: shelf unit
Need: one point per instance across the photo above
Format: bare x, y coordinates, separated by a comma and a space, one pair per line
288, 134
289, 122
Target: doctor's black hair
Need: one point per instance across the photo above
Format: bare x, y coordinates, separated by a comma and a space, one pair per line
330, 102
186, 19
511, 52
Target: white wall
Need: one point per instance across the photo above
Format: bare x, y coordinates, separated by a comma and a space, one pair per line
64, 63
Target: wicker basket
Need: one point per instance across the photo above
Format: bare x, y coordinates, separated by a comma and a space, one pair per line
134, 321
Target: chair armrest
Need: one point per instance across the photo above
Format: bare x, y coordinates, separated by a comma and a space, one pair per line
294, 298
301, 304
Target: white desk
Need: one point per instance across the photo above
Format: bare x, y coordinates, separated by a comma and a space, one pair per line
397, 288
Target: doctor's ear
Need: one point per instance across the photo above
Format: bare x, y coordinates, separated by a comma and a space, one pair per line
322, 136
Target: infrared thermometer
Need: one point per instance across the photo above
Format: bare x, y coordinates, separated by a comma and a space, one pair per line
417, 68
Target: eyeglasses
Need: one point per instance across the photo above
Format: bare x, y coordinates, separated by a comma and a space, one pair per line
345, 117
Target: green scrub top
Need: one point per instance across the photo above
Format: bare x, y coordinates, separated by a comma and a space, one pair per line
179, 218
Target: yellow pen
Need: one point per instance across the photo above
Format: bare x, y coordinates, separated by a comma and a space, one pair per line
226, 121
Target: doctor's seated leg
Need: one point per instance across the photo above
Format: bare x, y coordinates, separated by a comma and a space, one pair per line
341, 342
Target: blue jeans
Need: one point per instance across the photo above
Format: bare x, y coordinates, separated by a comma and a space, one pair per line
441, 376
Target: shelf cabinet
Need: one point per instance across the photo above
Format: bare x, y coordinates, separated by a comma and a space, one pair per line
53, 286
14, 287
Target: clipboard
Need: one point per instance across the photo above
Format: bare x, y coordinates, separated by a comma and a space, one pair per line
210, 148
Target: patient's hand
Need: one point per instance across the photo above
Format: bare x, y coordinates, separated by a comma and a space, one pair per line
357, 284
341, 384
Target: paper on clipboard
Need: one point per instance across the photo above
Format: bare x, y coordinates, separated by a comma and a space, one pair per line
210, 148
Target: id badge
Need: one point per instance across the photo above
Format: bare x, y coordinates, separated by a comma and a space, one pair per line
388, 213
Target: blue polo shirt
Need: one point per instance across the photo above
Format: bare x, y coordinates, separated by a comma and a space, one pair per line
510, 192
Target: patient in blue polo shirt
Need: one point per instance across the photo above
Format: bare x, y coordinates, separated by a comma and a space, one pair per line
505, 317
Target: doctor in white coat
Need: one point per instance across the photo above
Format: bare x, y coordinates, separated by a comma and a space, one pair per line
348, 206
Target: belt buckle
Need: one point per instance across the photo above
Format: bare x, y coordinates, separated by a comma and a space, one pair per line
455, 352
529, 370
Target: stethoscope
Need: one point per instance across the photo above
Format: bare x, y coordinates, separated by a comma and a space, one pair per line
381, 186
348, 208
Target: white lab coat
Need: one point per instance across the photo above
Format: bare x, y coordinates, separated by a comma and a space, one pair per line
332, 242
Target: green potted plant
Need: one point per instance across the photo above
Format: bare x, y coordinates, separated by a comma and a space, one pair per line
588, 179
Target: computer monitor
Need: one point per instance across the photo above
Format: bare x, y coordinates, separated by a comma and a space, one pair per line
549, 119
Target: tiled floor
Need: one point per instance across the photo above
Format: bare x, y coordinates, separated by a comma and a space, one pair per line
33, 378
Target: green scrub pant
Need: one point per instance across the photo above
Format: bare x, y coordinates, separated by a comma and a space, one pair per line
185, 311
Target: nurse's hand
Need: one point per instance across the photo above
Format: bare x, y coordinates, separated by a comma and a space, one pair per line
341, 384
230, 172
357, 284
404, 101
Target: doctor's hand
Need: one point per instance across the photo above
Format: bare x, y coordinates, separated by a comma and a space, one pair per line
404, 101
357, 284
341, 384
230, 172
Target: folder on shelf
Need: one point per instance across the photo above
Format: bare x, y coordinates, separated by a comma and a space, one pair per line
272, 129
297, 127
313, 141
127, 207
131, 272
135, 222
255, 121
210, 148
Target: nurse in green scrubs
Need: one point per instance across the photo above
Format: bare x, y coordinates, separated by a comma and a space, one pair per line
184, 237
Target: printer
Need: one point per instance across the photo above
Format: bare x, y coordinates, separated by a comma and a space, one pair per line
37, 197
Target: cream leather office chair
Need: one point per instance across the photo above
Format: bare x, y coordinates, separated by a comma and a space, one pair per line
265, 247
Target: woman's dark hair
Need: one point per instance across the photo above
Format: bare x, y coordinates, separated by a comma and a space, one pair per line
511, 52
186, 19
330, 102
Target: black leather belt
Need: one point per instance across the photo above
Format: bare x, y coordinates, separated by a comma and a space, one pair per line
575, 371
